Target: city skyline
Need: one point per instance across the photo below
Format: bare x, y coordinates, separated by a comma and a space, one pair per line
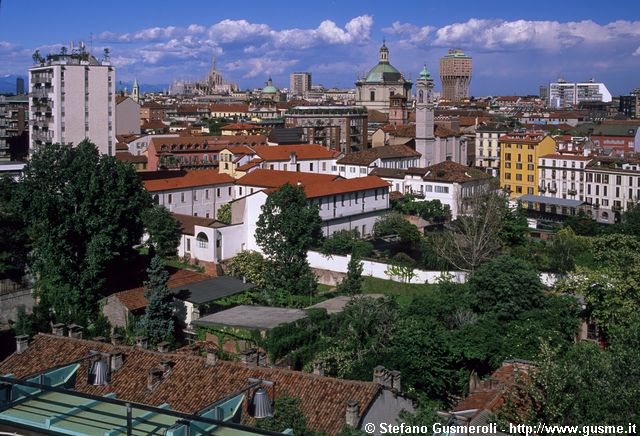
513, 52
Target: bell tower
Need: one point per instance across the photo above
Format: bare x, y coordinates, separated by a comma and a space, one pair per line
425, 138
135, 92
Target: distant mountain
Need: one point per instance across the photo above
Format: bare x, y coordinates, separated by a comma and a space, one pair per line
8, 83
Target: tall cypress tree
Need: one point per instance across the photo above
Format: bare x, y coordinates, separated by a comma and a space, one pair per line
158, 323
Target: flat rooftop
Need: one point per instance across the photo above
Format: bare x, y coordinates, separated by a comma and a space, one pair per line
252, 317
337, 304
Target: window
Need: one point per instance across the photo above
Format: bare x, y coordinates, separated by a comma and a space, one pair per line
240, 191
203, 240
519, 177
324, 166
352, 170
218, 192
342, 200
372, 96
188, 244
230, 191
529, 158
182, 197
195, 195
530, 178
530, 191
519, 189
363, 171
311, 166
342, 168
530, 167
375, 194
442, 189
156, 199
507, 176
334, 168
169, 198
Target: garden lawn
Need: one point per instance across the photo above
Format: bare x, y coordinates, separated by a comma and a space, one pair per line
402, 291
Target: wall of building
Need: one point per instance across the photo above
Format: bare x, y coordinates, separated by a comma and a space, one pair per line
128, 118
204, 201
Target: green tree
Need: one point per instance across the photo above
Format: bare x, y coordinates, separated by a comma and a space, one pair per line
506, 286
158, 322
584, 225
251, 265
163, 229
393, 223
83, 211
345, 242
565, 247
401, 266
430, 210
224, 213
514, 225
287, 415
14, 242
352, 283
287, 227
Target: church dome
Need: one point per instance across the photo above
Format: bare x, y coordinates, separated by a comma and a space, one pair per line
384, 71
269, 89
425, 74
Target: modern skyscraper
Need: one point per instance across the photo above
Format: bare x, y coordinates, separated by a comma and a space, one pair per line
19, 86
564, 94
455, 75
73, 98
300, 83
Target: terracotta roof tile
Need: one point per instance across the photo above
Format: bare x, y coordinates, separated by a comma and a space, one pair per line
188, 222
368, 156
229, 108
189, 180
274, 179
239, 126
344, 186
566, 156
302, 151
133, 158
192, 385
450, 172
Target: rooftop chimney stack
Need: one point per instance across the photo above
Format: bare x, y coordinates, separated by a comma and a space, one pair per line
166, 366
58, 329
142, 341
212, 357
22, 343
116, 361
318, 368
117, 339
395, 381
75, 331
163, 346
100, 339
153, 378
352, 415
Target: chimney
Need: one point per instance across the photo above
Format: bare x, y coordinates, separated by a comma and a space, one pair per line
100, 339
380, 375
318, 368
117, 339
116, 361
249, 356
58, 329
142, 341
22, 343
153, 378
163, 346
166, 366
212, 357
75, 331
352, 415
395, 381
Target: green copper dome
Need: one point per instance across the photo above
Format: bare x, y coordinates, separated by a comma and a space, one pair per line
375, 75
269, 89
425, 74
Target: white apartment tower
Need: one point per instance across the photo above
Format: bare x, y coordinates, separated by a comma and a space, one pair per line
72, 98
300, 84
425, 135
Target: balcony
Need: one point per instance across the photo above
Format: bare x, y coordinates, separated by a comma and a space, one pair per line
43, 136
41, 93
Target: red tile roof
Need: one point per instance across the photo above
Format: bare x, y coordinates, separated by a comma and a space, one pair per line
192, 385
216, 143
189, 180
240, 126
153, 124
133, 158
251, 164
274, 179
188, 222
302, 151
344, 186
134, 299
450, 172
370, 155
229, 108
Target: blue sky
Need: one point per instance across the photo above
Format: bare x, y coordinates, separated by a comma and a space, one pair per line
515, 45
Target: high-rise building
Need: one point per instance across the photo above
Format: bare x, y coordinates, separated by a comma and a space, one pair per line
300, 84
455, 75
566, 94
19, 86
13, 123
73, 98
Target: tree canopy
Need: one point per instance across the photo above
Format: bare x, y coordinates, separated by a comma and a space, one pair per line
158, 322
163, 229
84, 215
287, 227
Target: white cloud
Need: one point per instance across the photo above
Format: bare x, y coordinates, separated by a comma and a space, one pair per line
411, 32
637, 52
261, 67
524, 34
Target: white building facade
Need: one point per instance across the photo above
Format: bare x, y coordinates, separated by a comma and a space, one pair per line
562, 176
73, 98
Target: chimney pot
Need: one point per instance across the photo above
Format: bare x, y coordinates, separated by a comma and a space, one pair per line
116, 361
352, 415
22, 343
58, 329
212, 357
117, 339
379, 374
395, 381
142, 341
75, 331
163, 346
318, 368
100, 339
166, 366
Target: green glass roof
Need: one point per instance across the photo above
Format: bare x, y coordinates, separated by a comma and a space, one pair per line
269, 89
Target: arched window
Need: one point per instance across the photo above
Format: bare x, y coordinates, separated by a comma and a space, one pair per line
373, 96
203, 240
605, 215
421, 96
156, 199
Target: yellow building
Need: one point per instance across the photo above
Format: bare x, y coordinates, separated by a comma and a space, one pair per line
519, 153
